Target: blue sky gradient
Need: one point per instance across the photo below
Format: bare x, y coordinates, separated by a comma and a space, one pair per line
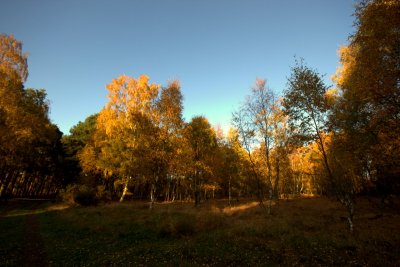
216, 48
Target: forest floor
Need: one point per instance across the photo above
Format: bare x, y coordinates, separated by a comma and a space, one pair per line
301, 232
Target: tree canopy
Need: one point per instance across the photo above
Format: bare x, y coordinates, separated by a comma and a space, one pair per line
314, 139
29, 142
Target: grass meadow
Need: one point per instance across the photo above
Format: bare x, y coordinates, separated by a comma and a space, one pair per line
301, 232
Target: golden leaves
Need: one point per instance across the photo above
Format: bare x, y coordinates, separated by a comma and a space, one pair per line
348, 61
331, 96
130, 138
13, 63
127, 96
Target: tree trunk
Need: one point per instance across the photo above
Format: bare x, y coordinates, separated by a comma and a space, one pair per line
276, 182
4, 186
124, 191
197, 192
39, 186
269, 176
196, 197
230, 191
152, 196
347, 200
270, 201
25, 187
9, 190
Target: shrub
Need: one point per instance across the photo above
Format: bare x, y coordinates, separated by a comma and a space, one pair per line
82, 195
67, 195
210, 221
176, 225
85, 196
102, 195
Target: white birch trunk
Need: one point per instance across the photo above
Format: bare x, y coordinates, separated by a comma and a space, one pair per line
124, 191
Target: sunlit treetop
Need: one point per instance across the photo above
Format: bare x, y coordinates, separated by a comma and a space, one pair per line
127, 97
13, 63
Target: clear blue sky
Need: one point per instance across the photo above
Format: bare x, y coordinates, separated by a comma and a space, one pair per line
216, 48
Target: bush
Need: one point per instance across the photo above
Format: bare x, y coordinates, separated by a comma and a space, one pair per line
103, 195
84, 195
67, 195
176, 225
210, 221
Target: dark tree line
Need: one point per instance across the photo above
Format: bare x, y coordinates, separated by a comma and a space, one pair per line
29, 143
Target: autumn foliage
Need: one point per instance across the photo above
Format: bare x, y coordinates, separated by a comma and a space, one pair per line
29, 142
315, 139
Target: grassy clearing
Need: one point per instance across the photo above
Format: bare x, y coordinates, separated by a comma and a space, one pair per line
299, 232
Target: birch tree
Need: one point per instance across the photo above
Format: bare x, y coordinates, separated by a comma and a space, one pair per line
255, 124
305, 102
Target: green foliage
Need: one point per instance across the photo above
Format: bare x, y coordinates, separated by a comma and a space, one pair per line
305, 103
201, 137
80, 135
201, 142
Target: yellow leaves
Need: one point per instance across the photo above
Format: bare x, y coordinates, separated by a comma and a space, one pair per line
391, 3
127, 93
347, 59
331, 96
13, 64
143, 80
127, 96
24, 133
87, 159
107, 121
128, 137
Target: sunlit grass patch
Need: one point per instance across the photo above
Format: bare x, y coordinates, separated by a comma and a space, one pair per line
242, 207
49, 208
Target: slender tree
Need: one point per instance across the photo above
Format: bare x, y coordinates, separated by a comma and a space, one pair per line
306, 104
201, 141
255, 124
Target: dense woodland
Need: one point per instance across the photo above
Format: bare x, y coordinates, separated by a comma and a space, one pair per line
341, 141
